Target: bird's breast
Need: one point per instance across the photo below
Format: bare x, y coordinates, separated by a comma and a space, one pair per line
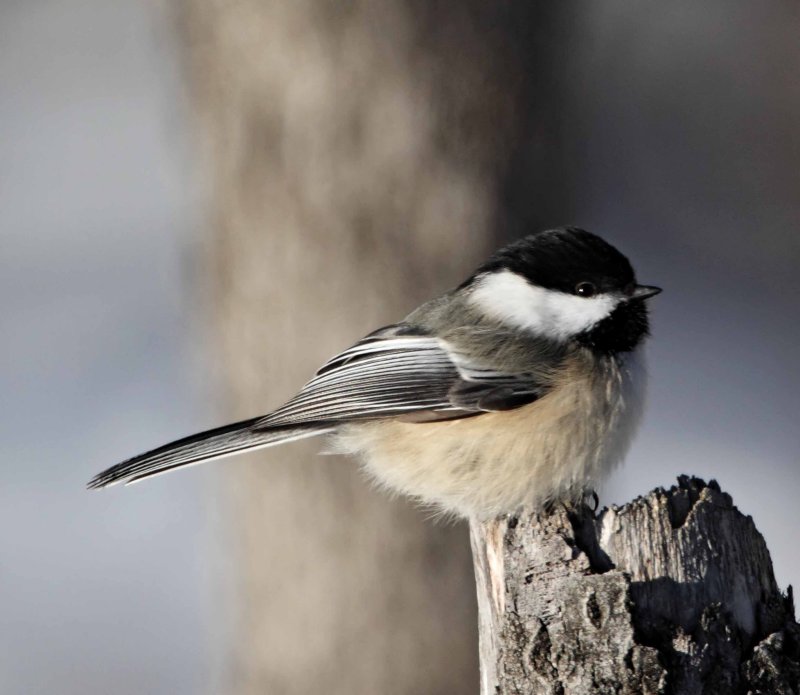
555, 448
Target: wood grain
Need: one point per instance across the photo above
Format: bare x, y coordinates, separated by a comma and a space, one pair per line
671, 593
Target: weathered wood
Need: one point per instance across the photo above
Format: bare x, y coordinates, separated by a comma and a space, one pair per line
672, 593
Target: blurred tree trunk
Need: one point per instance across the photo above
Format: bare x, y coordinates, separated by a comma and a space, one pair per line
363, 156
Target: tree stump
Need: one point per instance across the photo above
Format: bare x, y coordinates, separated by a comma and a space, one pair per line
670, 594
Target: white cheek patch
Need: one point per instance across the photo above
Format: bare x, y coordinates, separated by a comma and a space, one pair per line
510, 298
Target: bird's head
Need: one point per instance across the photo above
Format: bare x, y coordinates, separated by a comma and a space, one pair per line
564, 285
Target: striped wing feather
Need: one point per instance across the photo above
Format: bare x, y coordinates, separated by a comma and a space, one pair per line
390, 373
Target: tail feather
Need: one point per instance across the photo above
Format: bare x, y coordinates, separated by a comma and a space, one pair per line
198, 448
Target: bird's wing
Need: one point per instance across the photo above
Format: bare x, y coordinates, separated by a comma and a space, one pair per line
397, 372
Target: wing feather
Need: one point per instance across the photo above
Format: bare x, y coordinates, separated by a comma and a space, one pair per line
395, 373
399, 371
382, 378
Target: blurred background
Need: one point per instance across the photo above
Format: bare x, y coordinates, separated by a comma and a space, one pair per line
201, 201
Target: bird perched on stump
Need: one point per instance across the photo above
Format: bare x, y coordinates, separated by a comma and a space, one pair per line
523, 385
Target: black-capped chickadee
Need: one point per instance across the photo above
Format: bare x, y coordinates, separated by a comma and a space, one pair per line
524, 384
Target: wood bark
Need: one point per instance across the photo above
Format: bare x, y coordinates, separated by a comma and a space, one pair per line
672, 593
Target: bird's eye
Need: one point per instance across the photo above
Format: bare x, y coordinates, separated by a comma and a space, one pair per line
585, 289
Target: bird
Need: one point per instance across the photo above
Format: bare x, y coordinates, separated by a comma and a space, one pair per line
523, 385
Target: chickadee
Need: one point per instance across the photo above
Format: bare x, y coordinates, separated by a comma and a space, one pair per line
523, 385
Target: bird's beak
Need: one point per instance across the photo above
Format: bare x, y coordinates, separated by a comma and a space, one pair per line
645, 292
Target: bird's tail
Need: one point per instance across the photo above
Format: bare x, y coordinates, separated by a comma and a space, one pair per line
205, 446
